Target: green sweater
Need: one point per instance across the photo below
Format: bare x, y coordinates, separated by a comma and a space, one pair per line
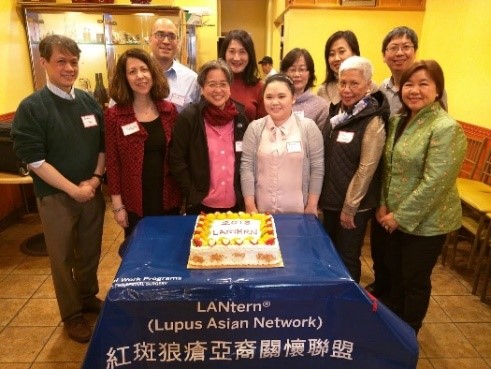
48, 127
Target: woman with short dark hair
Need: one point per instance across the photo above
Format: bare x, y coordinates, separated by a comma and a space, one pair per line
420, 204
283, 156
207, 145
299, 66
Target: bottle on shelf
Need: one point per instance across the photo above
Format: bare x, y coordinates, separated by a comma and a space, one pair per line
100, 92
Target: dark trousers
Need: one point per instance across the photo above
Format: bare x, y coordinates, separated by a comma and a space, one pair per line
411, 262
348, 242
379, 246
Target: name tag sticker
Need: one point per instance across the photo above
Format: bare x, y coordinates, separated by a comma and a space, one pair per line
238, 146
345, 137
299, 113
129, 129
294, 146
89, 121
177, 99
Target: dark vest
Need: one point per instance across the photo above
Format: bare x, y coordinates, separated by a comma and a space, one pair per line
342, 160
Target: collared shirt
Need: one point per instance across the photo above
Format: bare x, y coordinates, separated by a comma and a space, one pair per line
392, 94
60, 93
64, 95
183, 85
222, 166
279, 162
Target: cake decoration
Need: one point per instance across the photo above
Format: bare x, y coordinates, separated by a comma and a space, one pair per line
234, 240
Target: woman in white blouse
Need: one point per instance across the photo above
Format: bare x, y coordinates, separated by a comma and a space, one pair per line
282, 164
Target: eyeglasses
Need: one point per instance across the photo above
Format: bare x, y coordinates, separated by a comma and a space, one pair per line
395, 48
351, 86
160, 35
300, 70
213, 85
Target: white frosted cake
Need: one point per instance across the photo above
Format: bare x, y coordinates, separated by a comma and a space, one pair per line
234, 240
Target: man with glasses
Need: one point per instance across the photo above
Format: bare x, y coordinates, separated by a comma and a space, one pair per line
59, 132
399, 49
164, 42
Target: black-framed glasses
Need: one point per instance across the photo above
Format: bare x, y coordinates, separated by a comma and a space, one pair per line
160, 35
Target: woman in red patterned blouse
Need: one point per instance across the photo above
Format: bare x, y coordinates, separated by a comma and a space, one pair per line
138, 132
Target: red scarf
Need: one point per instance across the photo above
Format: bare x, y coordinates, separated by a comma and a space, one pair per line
218, 117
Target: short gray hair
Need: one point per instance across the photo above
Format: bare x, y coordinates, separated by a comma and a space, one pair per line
357, 63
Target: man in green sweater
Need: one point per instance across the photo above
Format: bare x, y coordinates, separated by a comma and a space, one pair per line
59, 132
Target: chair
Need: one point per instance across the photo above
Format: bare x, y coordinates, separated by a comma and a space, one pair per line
471, 185
475, 205
484, 258
475, 146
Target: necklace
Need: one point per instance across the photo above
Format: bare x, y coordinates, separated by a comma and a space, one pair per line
147, 110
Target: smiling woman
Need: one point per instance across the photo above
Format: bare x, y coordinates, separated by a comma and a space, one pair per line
420, 203
207, 145
138, 132
282, 163
238, 51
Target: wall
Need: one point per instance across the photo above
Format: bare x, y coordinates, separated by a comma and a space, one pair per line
369, 26
249, 15
463, 51
456, 33
16, 81
458, 49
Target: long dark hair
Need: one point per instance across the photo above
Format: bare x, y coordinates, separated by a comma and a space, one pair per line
352, 42
251, 71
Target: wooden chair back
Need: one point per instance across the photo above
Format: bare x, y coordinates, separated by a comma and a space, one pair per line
475, 147
486, 170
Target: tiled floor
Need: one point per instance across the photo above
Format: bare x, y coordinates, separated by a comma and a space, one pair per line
456, 333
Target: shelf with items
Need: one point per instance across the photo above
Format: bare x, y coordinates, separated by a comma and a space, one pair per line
102, 31
358, 4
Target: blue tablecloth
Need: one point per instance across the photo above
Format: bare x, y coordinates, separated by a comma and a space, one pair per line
309, 314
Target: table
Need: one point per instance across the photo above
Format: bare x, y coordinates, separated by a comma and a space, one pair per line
311, 314
36, 244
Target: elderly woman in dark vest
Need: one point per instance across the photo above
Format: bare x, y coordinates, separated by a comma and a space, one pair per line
354, 137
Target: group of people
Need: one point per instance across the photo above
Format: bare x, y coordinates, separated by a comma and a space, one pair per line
177, 142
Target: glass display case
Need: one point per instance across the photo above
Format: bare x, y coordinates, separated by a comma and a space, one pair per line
102, 31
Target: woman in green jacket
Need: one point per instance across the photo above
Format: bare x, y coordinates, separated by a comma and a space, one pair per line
420, 203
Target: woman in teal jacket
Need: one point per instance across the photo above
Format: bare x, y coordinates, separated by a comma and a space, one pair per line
420, 203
